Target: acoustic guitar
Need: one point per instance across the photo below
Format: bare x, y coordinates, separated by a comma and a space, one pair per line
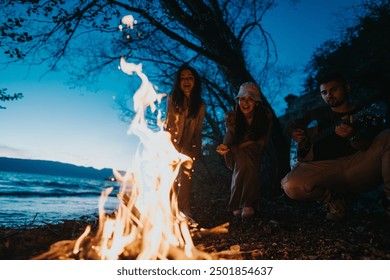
370, 116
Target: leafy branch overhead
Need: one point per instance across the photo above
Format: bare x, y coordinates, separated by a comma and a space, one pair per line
224, 40
8, 97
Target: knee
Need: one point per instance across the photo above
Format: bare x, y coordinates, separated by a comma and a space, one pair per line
382, 139
384, 136
292, 188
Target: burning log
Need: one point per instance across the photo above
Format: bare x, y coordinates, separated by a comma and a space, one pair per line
62, 250
87, 248
212, 231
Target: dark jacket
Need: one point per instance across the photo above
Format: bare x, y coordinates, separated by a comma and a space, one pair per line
254, 148
320, 123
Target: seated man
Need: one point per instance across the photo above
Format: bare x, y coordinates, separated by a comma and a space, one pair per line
348, 150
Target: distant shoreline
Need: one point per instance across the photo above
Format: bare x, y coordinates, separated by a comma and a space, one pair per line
45, 167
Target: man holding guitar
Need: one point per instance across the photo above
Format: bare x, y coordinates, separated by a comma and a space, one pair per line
337, 149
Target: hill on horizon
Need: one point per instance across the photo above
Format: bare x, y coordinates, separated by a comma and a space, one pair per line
54, 168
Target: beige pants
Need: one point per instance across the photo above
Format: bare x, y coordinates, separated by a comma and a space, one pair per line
362, 171
245, 184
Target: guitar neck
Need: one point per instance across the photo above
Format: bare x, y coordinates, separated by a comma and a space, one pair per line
329, 130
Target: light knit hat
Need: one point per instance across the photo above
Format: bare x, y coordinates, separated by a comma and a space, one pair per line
249, 89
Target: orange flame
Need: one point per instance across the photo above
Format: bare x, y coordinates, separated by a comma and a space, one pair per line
147, 219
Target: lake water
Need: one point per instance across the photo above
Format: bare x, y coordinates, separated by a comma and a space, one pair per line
33, 199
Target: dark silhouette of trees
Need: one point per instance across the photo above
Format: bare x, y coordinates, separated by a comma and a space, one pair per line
8, 97
362, 53
223, 39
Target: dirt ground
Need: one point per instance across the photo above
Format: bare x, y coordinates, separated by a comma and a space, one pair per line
281, 230
285, 229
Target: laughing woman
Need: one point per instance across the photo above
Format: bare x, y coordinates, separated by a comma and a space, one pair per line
185, 114
247, 132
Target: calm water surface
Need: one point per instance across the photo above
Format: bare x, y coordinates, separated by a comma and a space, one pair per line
33, 199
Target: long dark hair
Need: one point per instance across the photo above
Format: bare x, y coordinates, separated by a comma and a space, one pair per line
178, 95
258, 127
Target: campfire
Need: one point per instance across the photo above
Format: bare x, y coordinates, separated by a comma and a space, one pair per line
147, 223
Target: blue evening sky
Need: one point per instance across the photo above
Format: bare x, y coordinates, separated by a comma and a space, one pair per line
54, 122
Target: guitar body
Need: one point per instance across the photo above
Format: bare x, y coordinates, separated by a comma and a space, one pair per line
373, 115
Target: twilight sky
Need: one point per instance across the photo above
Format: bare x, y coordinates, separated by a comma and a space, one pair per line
54, 122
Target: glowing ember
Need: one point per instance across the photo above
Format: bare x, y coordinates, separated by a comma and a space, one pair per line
129, 21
